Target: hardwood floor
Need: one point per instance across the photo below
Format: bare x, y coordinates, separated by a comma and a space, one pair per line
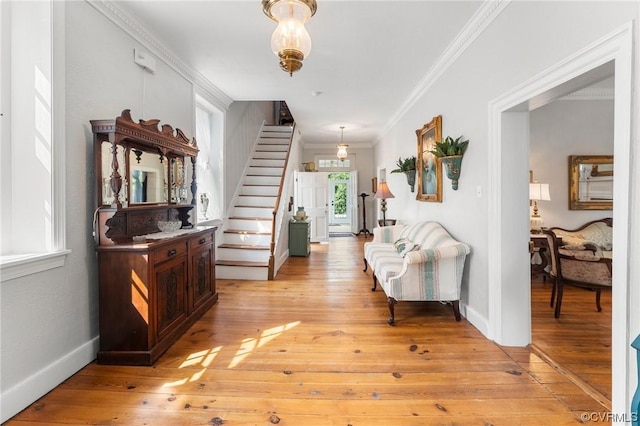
313, 348
579, 342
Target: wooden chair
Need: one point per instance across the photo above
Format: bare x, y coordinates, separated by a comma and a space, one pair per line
578, 268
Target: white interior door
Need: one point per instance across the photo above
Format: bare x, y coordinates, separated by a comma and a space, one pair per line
312, 194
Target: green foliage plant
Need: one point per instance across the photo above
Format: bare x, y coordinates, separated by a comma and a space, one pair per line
450, 147
405, 165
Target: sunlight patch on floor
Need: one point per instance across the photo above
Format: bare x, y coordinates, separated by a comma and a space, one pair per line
250, 344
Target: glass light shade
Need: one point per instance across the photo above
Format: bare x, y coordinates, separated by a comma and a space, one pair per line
342, 151
539, 191
291, 33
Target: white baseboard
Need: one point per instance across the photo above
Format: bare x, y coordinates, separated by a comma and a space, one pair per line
477, 320
33, 387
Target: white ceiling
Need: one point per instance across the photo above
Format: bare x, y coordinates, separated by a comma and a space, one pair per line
367, 56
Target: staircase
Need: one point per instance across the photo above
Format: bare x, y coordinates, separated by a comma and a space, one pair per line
245, 248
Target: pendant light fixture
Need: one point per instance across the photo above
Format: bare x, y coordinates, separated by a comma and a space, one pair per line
290, 41
342, 148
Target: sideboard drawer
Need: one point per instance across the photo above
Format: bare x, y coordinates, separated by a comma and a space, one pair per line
201, 240
169, 251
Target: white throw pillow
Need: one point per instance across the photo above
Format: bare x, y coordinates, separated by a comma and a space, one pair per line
404, 246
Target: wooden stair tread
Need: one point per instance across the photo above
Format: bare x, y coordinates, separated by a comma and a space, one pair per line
256, 195
245, 263
243, 246
254, 207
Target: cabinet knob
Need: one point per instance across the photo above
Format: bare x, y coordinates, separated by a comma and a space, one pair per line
202, 240
172, 252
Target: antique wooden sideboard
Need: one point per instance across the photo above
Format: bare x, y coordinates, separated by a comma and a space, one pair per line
153, 285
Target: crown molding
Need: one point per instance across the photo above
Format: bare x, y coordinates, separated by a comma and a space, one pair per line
591, 94
142, 35
480, 20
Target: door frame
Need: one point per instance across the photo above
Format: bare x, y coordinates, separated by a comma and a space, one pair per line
508, 229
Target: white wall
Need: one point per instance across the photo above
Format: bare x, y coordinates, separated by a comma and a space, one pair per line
526, 39
243, 121
558, 130
50, 320
514, 48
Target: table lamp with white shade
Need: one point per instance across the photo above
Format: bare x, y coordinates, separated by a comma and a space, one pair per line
537, 192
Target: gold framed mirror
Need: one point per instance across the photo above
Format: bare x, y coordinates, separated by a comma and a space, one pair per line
591, 182
428, 166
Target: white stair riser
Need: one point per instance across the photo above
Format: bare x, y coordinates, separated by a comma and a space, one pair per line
264, 213
250, 225
247, 239
275, 155
271, 147
265, 171
271, 191
239, 254
267, 163
242, 273
252, 200
262, 180
275, 137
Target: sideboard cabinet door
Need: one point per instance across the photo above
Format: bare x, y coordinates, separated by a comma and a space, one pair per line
203, 283
151, 293
171, 291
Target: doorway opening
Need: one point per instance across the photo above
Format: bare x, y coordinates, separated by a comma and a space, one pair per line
340, 202
509, 322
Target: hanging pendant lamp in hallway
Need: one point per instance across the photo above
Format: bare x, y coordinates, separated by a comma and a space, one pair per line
342, 148
290, 41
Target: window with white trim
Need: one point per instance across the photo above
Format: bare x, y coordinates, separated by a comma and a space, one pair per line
333, 164
31, 128
209, 167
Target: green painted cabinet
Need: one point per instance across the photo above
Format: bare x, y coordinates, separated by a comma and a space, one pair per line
299, 237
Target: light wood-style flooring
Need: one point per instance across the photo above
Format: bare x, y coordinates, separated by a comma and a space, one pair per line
579, 342
313, 348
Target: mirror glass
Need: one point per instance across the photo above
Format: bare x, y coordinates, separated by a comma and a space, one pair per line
148, 180
591, 182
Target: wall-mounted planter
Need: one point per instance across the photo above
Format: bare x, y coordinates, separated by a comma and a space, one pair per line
452, 166
411, 178
408, 167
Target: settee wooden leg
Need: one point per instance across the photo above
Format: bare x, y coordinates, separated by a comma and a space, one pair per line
553, 292
391, 302
598, 291
558, 299
456, 309
375, 283
365, 265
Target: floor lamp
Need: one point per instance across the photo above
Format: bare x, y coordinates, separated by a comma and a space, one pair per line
383, 193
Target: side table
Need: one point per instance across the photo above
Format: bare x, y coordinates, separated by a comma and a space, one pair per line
299, 237
540, 255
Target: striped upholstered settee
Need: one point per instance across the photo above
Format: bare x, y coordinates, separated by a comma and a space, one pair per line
419, 262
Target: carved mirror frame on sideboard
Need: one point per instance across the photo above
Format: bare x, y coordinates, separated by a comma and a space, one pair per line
126, 155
